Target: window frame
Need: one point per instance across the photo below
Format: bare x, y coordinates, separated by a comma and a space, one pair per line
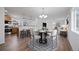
74, 20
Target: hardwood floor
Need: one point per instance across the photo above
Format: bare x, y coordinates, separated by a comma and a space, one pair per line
13, 43
63, 44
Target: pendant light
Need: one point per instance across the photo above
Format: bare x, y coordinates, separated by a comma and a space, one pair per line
43, 15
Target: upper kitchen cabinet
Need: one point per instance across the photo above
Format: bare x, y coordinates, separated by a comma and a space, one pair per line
7, 18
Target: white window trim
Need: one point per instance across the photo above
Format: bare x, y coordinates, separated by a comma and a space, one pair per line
73, 21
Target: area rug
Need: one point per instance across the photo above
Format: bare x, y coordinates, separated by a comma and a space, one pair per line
49, 46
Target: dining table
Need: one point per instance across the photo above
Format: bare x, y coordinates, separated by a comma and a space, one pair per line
43, 34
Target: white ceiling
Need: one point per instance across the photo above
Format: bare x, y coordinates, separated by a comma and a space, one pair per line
52, 12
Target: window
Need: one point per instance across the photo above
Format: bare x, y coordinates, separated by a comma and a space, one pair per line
75, 19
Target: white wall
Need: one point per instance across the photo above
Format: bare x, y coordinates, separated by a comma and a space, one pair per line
37, 22
74, 40
2, 40
72, 36
51, 23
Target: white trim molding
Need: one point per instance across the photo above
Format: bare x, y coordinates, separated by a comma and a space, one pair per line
73, 20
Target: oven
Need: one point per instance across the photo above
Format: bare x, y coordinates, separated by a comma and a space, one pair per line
7, 29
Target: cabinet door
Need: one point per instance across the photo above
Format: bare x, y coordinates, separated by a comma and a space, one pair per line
7, 18
14, 30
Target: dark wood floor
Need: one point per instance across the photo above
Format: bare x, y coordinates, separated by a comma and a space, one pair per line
63, 44
13, 43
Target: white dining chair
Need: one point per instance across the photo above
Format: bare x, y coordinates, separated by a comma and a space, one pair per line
54, 34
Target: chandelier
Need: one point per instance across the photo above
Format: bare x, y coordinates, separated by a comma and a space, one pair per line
43, 15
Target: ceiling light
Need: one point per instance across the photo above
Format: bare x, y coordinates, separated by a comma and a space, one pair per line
43, 15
